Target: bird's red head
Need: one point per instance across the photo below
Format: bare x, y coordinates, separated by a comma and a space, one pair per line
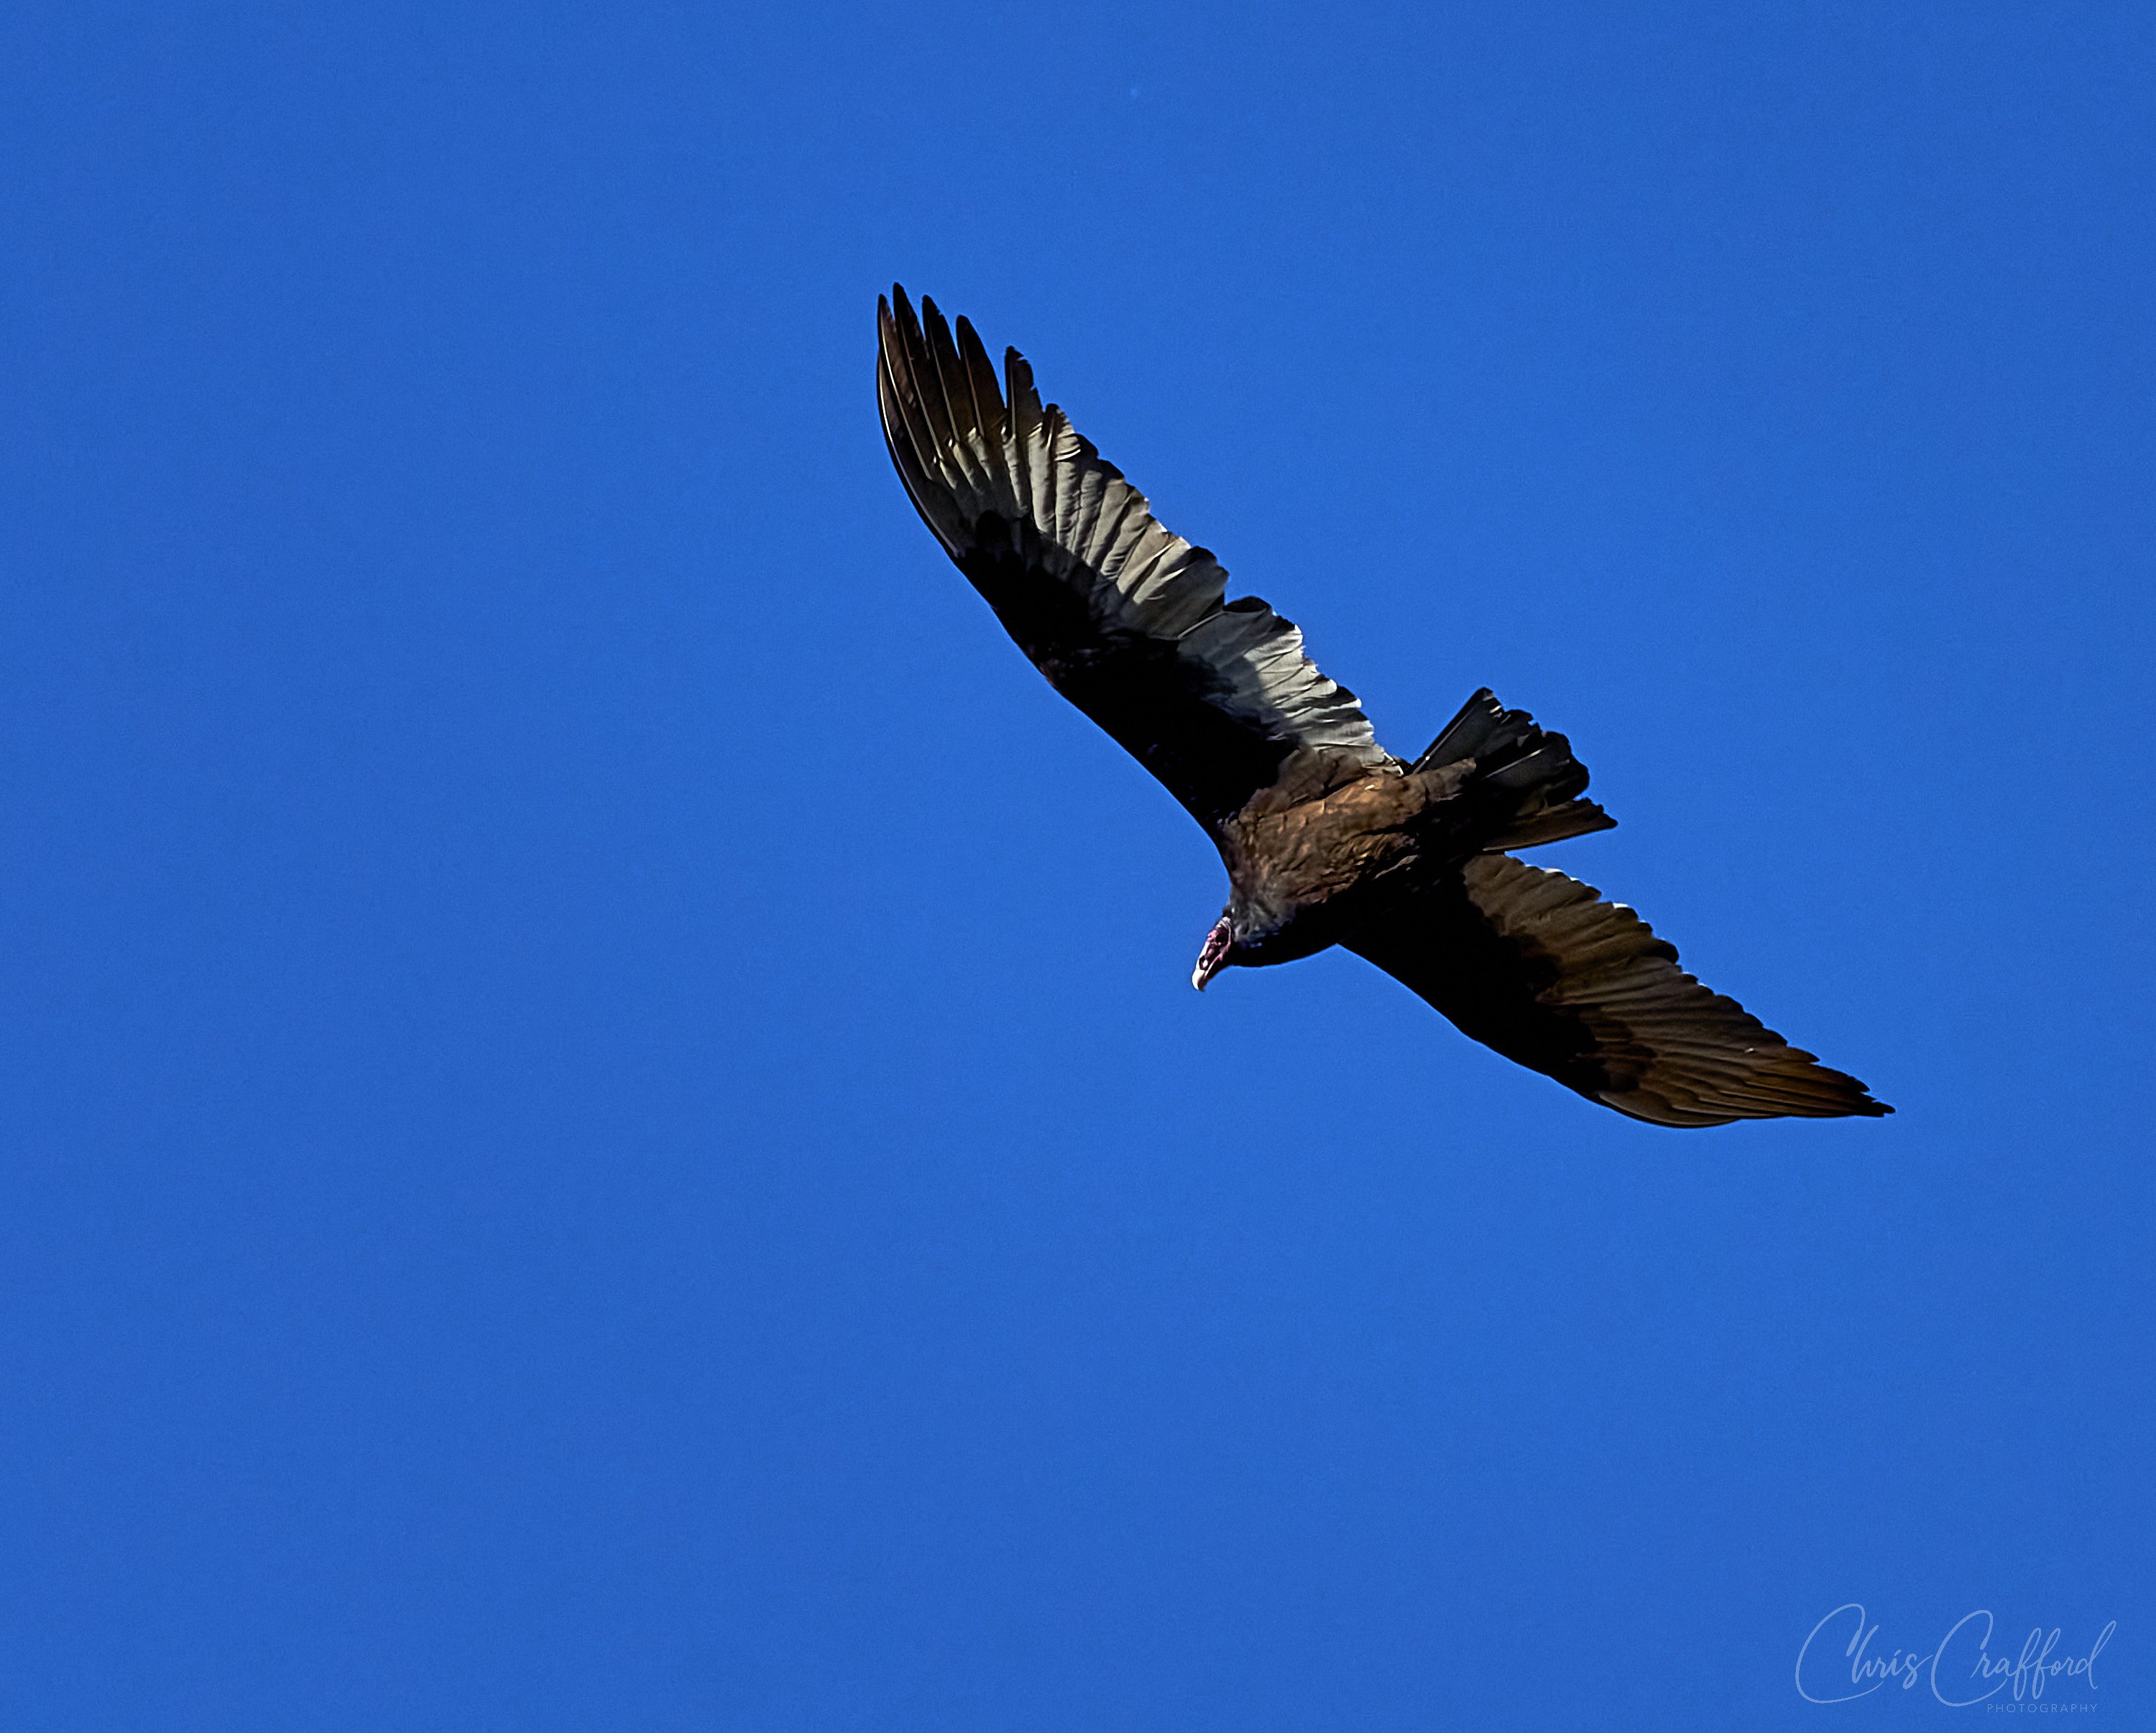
1214, 957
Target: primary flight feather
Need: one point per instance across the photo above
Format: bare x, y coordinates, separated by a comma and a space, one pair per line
1328, 839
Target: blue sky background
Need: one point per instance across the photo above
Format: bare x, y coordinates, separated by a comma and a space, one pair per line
603, 1124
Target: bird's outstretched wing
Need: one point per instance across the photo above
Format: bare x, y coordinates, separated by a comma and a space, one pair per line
1535, 964
1128, 621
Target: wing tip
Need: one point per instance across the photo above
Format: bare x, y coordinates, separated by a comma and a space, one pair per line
1653, 1101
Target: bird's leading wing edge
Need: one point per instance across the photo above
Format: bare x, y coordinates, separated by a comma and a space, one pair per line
1127, 620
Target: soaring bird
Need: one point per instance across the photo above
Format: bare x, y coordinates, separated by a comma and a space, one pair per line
1327, 837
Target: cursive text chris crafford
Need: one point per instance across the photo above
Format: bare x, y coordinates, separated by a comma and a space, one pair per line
1957, 1668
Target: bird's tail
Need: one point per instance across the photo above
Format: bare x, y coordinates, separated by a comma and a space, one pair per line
1525, 777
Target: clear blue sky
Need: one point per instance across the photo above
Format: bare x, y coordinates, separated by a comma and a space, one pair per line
603, 1123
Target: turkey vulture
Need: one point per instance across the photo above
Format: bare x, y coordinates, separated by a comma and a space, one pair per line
1328, 839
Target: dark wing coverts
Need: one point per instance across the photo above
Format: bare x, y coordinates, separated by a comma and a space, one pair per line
1126, 620
1535, 964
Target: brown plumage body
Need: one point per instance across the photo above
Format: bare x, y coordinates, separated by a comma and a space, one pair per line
1328, 838
1327, 846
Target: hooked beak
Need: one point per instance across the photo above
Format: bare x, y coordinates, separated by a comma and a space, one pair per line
1214, 957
